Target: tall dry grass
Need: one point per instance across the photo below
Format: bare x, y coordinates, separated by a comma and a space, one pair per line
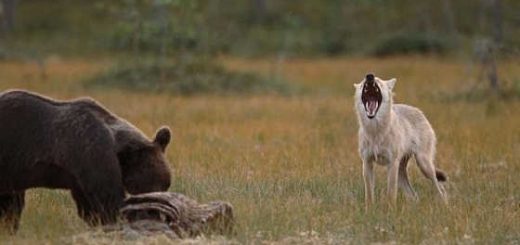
289, 165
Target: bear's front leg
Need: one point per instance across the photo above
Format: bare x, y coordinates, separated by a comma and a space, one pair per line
83, 208
98, 209
98, 189
11, 206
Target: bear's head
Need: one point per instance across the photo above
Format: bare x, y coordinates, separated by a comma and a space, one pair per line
143, 163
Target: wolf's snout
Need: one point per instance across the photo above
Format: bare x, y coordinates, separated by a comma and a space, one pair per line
369, 78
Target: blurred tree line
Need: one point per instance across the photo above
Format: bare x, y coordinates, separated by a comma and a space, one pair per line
258, 27
170, 44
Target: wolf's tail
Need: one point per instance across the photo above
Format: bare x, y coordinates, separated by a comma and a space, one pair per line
441, 176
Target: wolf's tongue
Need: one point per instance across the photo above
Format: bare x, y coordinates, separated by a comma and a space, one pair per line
372, 106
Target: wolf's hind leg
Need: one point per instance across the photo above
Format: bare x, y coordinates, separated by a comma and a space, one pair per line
425, 163
404, 183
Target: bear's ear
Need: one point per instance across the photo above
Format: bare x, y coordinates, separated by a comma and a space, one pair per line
391, 83
357, 85
162, 137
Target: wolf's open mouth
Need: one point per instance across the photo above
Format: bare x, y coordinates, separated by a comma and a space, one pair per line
371, 97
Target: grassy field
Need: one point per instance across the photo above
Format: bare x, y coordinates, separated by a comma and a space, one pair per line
289, 164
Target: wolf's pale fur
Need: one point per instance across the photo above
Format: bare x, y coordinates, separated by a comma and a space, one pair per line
395, 134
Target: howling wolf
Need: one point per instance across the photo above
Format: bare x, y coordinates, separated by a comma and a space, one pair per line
390, 135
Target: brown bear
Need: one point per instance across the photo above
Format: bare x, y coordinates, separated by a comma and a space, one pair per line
76, 145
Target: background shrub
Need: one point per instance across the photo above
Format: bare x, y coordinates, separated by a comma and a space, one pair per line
407, 43
192, 76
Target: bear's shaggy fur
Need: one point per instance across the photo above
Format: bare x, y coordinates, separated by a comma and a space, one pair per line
76, 145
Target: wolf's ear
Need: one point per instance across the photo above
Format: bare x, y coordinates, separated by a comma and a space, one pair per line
391, 83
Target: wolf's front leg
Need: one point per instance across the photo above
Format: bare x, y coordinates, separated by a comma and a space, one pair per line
368, 177
393, 173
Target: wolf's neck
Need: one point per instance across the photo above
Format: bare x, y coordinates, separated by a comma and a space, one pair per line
379, 126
